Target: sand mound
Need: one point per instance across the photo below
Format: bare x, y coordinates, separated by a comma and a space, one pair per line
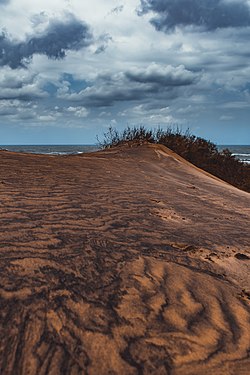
126, 261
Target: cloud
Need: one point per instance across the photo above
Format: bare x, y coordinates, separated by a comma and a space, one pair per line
17, 110
58, 38
162, 75
8, 107
201, 70
22, 85
3, 2
78, 111
25, 93
134, 84
205, 14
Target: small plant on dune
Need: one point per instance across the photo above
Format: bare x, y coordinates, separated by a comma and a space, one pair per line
198, 151
113, 138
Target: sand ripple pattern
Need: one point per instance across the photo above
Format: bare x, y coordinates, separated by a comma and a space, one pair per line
106, 267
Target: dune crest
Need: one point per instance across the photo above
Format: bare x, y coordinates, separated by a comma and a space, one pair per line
124, 261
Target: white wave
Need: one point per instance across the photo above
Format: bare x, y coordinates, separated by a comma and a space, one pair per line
248, 155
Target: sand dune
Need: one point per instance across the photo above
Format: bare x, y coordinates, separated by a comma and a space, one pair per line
125, 261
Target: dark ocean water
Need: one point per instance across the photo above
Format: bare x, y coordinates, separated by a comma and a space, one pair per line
240, 152
52, 149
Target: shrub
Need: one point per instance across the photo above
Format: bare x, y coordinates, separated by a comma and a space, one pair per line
113, 138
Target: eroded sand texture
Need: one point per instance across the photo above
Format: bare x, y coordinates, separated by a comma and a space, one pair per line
128, 261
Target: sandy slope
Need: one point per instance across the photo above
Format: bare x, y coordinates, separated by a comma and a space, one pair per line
126, 261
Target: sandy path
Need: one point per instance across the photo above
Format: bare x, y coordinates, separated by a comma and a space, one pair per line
128, 261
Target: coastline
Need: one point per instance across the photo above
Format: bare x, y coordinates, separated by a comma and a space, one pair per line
241, 152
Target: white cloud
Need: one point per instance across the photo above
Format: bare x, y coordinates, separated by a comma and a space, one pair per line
78, 111
138, 74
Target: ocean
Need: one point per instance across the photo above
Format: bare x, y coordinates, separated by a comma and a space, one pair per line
240, 152
52, 149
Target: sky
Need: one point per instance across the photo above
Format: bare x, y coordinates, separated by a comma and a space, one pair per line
69, 69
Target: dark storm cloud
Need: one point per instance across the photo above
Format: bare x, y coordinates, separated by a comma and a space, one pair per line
206, 14
58, 38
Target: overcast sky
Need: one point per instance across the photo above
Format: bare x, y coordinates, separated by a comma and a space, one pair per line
71, 68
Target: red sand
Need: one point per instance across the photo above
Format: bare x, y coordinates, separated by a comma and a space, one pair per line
126, 261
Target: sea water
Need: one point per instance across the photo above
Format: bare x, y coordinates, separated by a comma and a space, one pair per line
52, 149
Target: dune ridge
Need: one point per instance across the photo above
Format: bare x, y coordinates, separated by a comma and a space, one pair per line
125, 261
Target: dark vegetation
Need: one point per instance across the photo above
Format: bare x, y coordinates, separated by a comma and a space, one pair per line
200, 152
